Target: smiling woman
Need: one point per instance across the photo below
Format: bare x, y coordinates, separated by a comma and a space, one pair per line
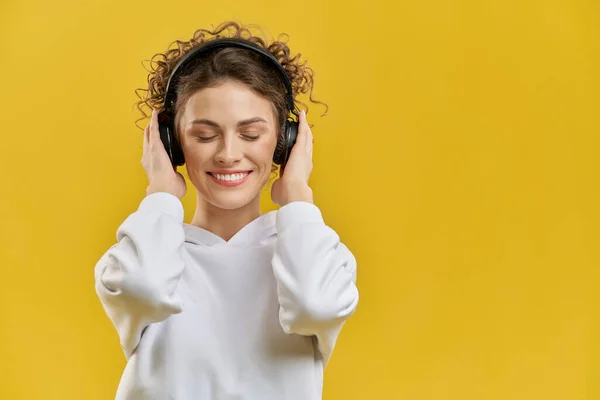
235, 304
228, 130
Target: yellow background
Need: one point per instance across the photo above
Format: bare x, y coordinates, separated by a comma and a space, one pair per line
459, 161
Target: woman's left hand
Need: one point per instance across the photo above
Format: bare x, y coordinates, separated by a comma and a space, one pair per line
293, 182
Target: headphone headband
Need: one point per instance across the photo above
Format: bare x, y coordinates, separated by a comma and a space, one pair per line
218, 43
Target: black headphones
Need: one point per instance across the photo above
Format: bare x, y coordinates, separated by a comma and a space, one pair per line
166, 118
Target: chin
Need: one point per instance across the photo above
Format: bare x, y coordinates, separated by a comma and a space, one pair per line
232, 201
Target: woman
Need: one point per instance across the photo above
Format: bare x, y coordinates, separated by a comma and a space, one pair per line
234, 305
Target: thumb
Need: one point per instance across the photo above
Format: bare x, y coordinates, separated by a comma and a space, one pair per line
276, 192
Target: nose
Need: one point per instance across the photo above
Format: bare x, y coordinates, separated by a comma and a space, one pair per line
229, 152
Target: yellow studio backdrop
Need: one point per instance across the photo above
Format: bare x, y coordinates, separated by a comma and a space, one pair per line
459, 161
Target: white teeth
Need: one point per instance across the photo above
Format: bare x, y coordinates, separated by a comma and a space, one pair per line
230, 177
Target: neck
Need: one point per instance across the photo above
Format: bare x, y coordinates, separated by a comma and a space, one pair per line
224, 223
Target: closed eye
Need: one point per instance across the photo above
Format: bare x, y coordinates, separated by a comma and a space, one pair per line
204, 139
251, 137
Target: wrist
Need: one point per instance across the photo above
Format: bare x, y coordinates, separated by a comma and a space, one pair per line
299, 193
151, 189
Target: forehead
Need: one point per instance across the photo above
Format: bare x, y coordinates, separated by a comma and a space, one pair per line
229, 101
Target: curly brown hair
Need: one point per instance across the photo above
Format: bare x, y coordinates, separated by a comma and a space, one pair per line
228, 63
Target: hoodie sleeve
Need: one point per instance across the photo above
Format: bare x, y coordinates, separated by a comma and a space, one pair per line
316, 276
136, 279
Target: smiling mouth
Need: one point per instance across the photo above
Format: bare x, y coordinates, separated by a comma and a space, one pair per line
233, 179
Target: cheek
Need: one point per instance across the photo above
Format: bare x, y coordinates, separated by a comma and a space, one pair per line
259, 153
264, 152
194, 153
196, 157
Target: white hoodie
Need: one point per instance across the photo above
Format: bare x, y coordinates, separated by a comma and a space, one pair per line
199, 318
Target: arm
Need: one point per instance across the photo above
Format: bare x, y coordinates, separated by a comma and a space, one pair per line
316, 276
136, 279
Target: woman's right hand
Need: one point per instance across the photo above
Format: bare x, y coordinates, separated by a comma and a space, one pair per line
162, 177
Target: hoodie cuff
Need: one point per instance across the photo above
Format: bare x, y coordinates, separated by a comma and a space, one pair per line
295, 213
163, 203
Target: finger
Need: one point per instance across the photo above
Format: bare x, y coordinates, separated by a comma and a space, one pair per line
154, 133
308, 136
146, 133
301, 139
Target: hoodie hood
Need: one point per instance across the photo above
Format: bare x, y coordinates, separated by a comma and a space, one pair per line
258, 232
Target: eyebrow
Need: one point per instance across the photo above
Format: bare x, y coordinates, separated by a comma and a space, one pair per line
239, 124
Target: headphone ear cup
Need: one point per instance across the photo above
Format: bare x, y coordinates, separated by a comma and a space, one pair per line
178, 159
291, 138
285, 142
280, 148
167, 137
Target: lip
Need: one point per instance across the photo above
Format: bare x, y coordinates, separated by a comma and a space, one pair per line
229, 171
226, 172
